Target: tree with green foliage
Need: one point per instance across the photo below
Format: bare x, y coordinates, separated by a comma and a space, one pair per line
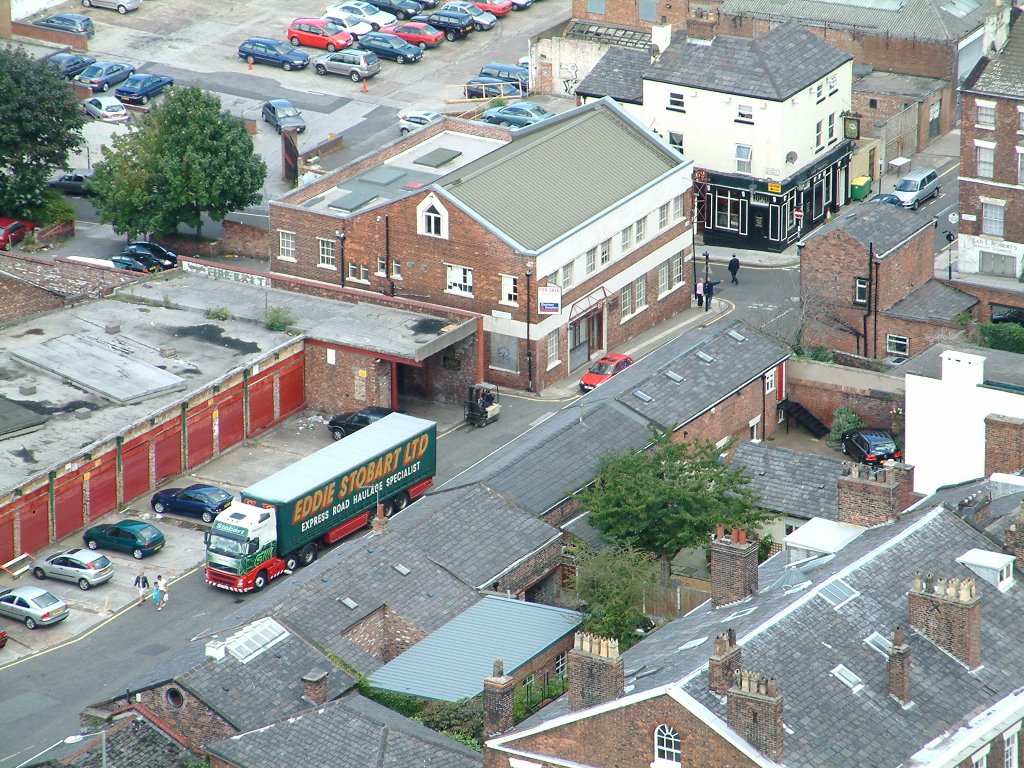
188, 157
669, 498
843, 420
1008, 337
611, 583
40, 124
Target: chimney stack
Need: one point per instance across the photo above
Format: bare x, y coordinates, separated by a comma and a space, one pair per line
870, 496
724, 663
380, 520
898, 667
702, 27
733, 567
499, 700
1013, 537
315, 687
596, 672
755, 712
948, 612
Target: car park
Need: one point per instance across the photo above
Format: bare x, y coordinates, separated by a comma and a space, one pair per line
75, 23
346, 423
70, 64
354, 64
139, 89
401, 9
512, 73
491, 87
106, 108
917, 186
282, 116
413, 119
390, 47
870, 445
133, 264
278, 53
33, 606
199, 500
495, 7
73, 182
150, 252
79, 566
136, 537
13, 231
101, 75
367, 12
319, 33
121, 6
604, 369
417, 33
516, 115
454, 23
348, 23
482, 20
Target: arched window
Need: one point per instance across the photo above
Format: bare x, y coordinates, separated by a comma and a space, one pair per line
667, 747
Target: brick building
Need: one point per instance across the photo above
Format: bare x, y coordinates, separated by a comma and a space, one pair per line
867, 287
560, 258
992, 165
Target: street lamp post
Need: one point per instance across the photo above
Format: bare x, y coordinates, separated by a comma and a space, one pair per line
950, 237
79, 737
707, 270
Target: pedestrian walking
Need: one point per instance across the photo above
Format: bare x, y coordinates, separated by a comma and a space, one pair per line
709, 292
159, 589
734, 267
142, 584
699, 291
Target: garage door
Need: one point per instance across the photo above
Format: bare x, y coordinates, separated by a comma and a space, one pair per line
200, 437
135, 468
261, 405
167, 444
7, 537
292, 387
103, 487
35, 522
230, 420
69, 504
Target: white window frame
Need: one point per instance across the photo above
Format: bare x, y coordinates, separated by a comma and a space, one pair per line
663, 213
568, 275
626, 301
640, 294
745, 113
897, 345
626, 239
1011, 749
327, 258
989, 219
359, 273
286, 245
818, 133
396, 269
590, 261
984, 160
769, 382
552, 344
675, 140
640, 228
664, 278
509, 291
458, 284
382, 265
562, 664
985, 109
819, 92
1020, 165
744, 164
676, 102
677, 207
860, 290
606, 251
980, 758
668, 746
831, 129
677, 269
432, 223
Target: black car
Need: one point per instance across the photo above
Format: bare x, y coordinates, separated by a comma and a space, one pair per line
388, 46
347, 423
870, 446
283, 116
151, 253
199, 500
72, 182
264, 50
1009, 315
402, 9
70, 64
75, 23
454, 24
885, 197
133, 264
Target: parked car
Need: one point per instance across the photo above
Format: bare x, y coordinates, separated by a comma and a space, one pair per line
367, 12
886, 197
283, 116
79, 566
516, 115
482, 20
348, 23
106, 108
13, 231
390, 47
491, 87
411, 119
133, 264
417, 33
521, 5
136, 537
33, 605
402, 9
121, 6
319, 33
199, 500
152, 253
139, 89
870, 446
75, 23
73, 182
1009, 315
70, 64
917, 186
3, 637
495, 7
604, 369
512, 73
101, 75
346, 423
265, 50
354, 64
454, 23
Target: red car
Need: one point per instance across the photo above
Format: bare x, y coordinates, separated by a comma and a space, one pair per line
497, 7
13, 231
318, 33
417, 32
604, 369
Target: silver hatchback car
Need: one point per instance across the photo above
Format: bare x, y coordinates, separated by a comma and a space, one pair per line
354, 64
79, 566
32, 605
121, 6
916, 187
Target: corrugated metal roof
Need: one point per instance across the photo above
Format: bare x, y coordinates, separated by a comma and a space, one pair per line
555, 176
451, 663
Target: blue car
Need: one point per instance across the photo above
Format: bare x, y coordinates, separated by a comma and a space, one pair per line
138, 89
100, 75
392, 47
264, 50
516, 115
199, 500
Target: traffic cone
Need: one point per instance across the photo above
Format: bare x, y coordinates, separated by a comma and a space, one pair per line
366, 89
250, 65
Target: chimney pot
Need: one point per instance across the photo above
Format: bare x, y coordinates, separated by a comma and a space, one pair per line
499, 700
755, 713
720, 534
596, 672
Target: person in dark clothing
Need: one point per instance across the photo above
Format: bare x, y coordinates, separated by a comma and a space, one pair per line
734, 267
709, 292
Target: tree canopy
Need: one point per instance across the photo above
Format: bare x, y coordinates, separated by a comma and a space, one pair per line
670, 497
611, 583
188, 157
40, 123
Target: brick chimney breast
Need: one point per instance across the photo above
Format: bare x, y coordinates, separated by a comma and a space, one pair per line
870, 496
315, 686
898, 668
724, 663
733, 567
499, 700
948, 612
596, 672
755, 712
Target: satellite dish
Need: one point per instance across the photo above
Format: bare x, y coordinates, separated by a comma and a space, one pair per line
791, 157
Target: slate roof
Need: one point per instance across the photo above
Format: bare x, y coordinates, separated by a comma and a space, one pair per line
131, 741
774, 66
933, 300
451, 664
1001, 76
987, 506
619, 75
1000, 367
549, 169
928, 20
351, 733
879, 225
792, 482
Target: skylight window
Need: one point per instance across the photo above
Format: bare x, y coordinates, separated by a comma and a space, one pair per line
701, 354
674, 376
838, 593
847, 678
692, 644
643, 396
738, 614
735, 335
879, 643
255, 639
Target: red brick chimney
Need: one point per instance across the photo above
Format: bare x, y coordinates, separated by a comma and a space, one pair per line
596, 672
702, 27
724, 663
1004, 444
755, 712
499, 700
380, 520
948, 612
898, 667
315, 687
871, 496
733, 567
1013, 537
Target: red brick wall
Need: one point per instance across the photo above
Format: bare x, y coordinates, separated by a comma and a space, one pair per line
870, 496
1004, 444
732, 417
733, 570
532, 570
987, 295
245, 240
193, 719
921, 334
756, 715
76, 41
385, 634
355, 380
627, 12
887, 106
950, 624
874, 406
594, 679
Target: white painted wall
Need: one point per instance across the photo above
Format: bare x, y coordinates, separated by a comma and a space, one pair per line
945, 421
22, 9
969, 248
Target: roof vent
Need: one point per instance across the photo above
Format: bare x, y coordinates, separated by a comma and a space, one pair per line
705, 356
215, 649
791, 157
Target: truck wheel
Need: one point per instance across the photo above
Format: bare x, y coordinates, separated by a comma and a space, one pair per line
307, 555
401, 501
259, 582
291, 562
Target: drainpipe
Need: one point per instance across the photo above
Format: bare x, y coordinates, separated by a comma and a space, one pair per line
529, 345
867, 308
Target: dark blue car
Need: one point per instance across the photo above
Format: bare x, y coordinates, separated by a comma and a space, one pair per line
199, 500
264, 50
388, 46
71, 64
138, 89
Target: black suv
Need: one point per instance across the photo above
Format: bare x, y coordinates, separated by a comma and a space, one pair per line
454, 24
1009, 315
402, 9
870, 446
347, 423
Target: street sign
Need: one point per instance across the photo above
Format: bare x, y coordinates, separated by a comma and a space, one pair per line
798, 215
954, 217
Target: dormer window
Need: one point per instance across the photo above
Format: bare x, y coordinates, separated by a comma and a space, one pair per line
432, 218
